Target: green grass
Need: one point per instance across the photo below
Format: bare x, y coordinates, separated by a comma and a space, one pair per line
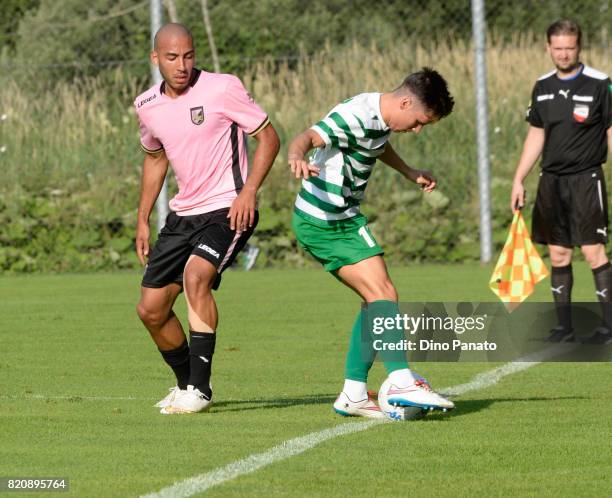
278, 367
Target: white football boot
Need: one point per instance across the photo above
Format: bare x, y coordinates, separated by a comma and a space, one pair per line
169, 398
365, 408
191, 400
418, 394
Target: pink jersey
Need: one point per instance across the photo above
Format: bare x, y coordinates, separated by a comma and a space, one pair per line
201, 133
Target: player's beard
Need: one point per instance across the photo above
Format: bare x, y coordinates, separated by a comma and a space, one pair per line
569, 68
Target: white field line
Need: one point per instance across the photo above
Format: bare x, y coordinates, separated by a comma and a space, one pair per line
74, 397
292, 447
287, 449
492, 377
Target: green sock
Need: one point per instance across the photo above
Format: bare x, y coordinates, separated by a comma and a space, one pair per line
359, 357
375, 314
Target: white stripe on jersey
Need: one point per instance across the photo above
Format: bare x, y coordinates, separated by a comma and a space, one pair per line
328, 197
547, 75
594, 73
314, 211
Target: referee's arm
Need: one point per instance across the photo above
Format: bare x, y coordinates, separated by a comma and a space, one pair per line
532, 149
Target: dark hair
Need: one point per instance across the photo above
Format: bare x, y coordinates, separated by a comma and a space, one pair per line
564, 27
431, 89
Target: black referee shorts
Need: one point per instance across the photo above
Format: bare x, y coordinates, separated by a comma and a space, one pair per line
571, 210
206, 235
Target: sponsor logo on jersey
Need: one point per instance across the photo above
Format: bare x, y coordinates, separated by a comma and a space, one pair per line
209, 250
144, 101
197, 115
565, 93
581, 112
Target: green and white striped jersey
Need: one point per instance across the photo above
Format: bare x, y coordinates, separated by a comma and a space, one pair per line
355, 134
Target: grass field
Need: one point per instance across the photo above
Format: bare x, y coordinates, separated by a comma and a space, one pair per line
79, 376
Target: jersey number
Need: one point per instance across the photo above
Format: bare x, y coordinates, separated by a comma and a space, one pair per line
363, 231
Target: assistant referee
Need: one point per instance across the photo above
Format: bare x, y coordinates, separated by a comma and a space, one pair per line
570, 126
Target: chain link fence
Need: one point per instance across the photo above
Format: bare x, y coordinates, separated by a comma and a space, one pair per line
69, 142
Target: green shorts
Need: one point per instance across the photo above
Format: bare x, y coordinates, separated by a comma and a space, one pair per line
335, 246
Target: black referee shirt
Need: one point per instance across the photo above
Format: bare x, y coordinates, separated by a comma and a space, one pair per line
575, 114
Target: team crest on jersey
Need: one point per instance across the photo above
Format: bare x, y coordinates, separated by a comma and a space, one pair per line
581, 112
197, 115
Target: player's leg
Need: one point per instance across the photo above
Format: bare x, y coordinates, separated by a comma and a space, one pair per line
597, 259
360, 356
590, 221
215, 248
155, 311
561, 283
161, 284
199, 278
370, 279
552, 225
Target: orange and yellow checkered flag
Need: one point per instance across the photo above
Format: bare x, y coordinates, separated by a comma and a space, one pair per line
519, 266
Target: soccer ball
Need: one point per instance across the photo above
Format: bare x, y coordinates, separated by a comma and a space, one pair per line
397, 413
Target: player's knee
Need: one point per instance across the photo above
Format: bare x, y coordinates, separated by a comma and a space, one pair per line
595, 257
560, 258
384, 291
198, 282
390, 291
152, 318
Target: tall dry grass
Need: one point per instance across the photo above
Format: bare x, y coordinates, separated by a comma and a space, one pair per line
82, 139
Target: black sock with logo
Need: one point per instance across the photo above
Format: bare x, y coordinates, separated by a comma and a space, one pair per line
603, 289
178, 360
561, 282
201, 351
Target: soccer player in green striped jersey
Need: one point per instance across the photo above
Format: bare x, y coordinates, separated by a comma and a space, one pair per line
329, 225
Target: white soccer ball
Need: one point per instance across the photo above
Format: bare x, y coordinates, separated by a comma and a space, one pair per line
397, 413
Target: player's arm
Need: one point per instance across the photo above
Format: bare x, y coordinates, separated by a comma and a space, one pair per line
420, 177
298, 148
610, 141
242, 210
154, 171
532, 149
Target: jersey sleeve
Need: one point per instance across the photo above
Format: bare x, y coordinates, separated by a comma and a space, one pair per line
325, 132
148, 142
340, 128
242, 109
532, 115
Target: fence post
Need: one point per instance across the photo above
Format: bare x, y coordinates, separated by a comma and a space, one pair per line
161, 205
482, 138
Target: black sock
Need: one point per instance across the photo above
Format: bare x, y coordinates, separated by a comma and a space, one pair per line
178, 360
603, 288
201, 350
561, 282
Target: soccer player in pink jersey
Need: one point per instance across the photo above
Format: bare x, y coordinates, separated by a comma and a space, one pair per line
196, 121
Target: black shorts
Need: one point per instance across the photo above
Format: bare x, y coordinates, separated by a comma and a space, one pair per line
571, 210
206, 235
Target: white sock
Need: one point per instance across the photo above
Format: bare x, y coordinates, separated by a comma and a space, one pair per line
355, 390
402, 377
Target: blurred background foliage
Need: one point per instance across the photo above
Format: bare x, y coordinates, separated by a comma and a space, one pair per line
69, 152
